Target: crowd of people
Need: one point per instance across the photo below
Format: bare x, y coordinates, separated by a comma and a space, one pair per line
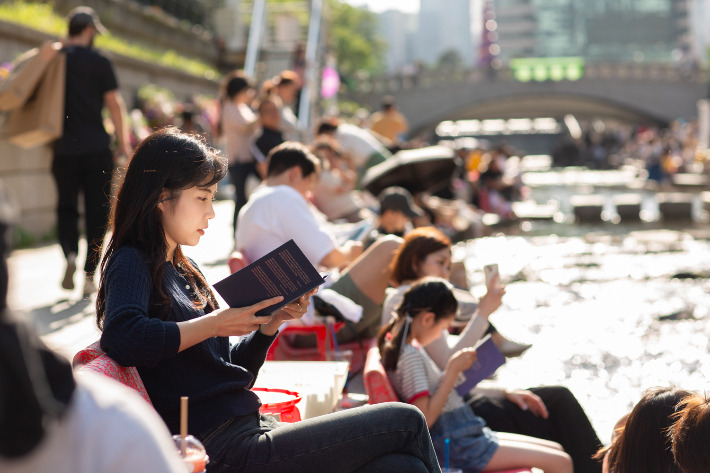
388, 256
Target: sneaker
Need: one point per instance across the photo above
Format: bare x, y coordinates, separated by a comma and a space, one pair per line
511, 349
68, 281
89, 286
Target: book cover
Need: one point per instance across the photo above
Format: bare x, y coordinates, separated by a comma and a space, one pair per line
489, 360
284, 271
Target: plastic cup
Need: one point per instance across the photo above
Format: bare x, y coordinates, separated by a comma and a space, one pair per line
195, 457
342, 355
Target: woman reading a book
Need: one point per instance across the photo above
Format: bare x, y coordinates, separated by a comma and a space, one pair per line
158, 313
459, 435
548, 412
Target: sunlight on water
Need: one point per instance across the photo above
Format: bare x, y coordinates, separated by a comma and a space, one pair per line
604, 313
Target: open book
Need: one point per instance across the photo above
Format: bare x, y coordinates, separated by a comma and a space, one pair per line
489, 359
283, 272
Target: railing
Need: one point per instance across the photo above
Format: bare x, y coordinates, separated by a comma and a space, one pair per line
647, 72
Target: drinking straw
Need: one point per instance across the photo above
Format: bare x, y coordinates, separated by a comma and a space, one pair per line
183, 426
335, 340
447, 441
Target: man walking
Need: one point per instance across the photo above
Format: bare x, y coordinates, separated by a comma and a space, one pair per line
83, 161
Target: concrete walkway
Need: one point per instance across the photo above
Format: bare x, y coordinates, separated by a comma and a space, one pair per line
65, 319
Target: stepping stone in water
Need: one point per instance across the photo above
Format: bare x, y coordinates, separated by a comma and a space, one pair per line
675, 205
587, 208
628, 206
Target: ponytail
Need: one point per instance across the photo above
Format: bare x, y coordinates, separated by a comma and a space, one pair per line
391, 338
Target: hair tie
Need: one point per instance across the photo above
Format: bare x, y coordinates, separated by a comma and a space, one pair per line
407, 320
388, 336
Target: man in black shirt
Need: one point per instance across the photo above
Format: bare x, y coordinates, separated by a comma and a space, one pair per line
83, 160
271, 136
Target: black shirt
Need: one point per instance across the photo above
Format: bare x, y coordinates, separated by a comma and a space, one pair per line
89, 76
268, 140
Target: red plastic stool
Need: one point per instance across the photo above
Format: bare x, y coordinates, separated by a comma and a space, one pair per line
285, 410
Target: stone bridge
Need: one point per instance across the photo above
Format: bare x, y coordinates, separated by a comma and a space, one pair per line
646, 93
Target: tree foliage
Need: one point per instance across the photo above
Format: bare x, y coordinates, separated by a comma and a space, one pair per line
353, 39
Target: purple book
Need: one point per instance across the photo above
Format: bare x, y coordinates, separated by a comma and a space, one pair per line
489, 360
283, 272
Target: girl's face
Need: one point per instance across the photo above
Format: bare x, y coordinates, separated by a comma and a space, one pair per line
430, 328
186, 217
436, 264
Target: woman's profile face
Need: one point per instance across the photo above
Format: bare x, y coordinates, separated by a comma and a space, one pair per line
186, 218
436, 264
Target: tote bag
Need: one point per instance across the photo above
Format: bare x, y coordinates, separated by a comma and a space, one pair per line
19, 85
40, 120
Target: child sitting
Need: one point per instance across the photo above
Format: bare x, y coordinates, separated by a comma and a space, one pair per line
428, 307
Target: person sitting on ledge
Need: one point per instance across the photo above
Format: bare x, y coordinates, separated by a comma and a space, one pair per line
280, 211
158, 313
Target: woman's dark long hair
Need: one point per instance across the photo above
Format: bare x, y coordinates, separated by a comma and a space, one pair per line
690, 434
418, 244
427, 295
644, 443
171, 161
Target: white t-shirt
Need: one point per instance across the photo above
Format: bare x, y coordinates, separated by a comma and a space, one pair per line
417, 375
108, 428
275, 214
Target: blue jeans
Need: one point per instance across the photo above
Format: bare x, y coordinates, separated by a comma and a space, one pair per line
386, 437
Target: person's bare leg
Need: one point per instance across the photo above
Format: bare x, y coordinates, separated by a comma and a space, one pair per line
525, 438
370, 272
514, 454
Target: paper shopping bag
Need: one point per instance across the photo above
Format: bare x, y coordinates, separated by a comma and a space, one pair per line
41, 119
22, 81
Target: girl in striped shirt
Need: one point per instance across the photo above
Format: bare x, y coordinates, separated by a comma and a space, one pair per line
428, 307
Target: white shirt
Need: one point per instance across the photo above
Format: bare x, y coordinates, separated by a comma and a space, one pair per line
275, 214
108, 428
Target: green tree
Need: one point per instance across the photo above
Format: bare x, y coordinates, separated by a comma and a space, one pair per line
352, 36
450, 59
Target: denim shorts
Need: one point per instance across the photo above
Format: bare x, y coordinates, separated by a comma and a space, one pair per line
471, 445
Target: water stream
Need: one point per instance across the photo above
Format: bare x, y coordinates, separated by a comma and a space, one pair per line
612, 309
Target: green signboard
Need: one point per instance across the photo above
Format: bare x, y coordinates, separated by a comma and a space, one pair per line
542, 69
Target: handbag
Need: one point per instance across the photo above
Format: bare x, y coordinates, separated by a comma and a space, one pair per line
22, 81
40, 120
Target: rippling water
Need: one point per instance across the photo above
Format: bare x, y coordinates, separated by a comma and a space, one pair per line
611, 309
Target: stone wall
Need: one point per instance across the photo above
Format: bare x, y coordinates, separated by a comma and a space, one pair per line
147, 25
27, 172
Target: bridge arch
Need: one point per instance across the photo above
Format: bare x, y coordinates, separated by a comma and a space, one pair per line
639, 93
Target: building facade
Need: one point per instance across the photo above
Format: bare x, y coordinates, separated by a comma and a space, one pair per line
597, 30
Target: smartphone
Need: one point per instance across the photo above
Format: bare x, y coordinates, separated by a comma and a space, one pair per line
490, 271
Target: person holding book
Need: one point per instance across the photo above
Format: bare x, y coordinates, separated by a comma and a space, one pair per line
280, 211
459, 435
549, 412
158, 313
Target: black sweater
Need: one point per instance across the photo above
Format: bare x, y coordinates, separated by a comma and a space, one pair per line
215, 376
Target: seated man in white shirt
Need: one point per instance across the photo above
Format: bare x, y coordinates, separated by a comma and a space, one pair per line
279, 211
